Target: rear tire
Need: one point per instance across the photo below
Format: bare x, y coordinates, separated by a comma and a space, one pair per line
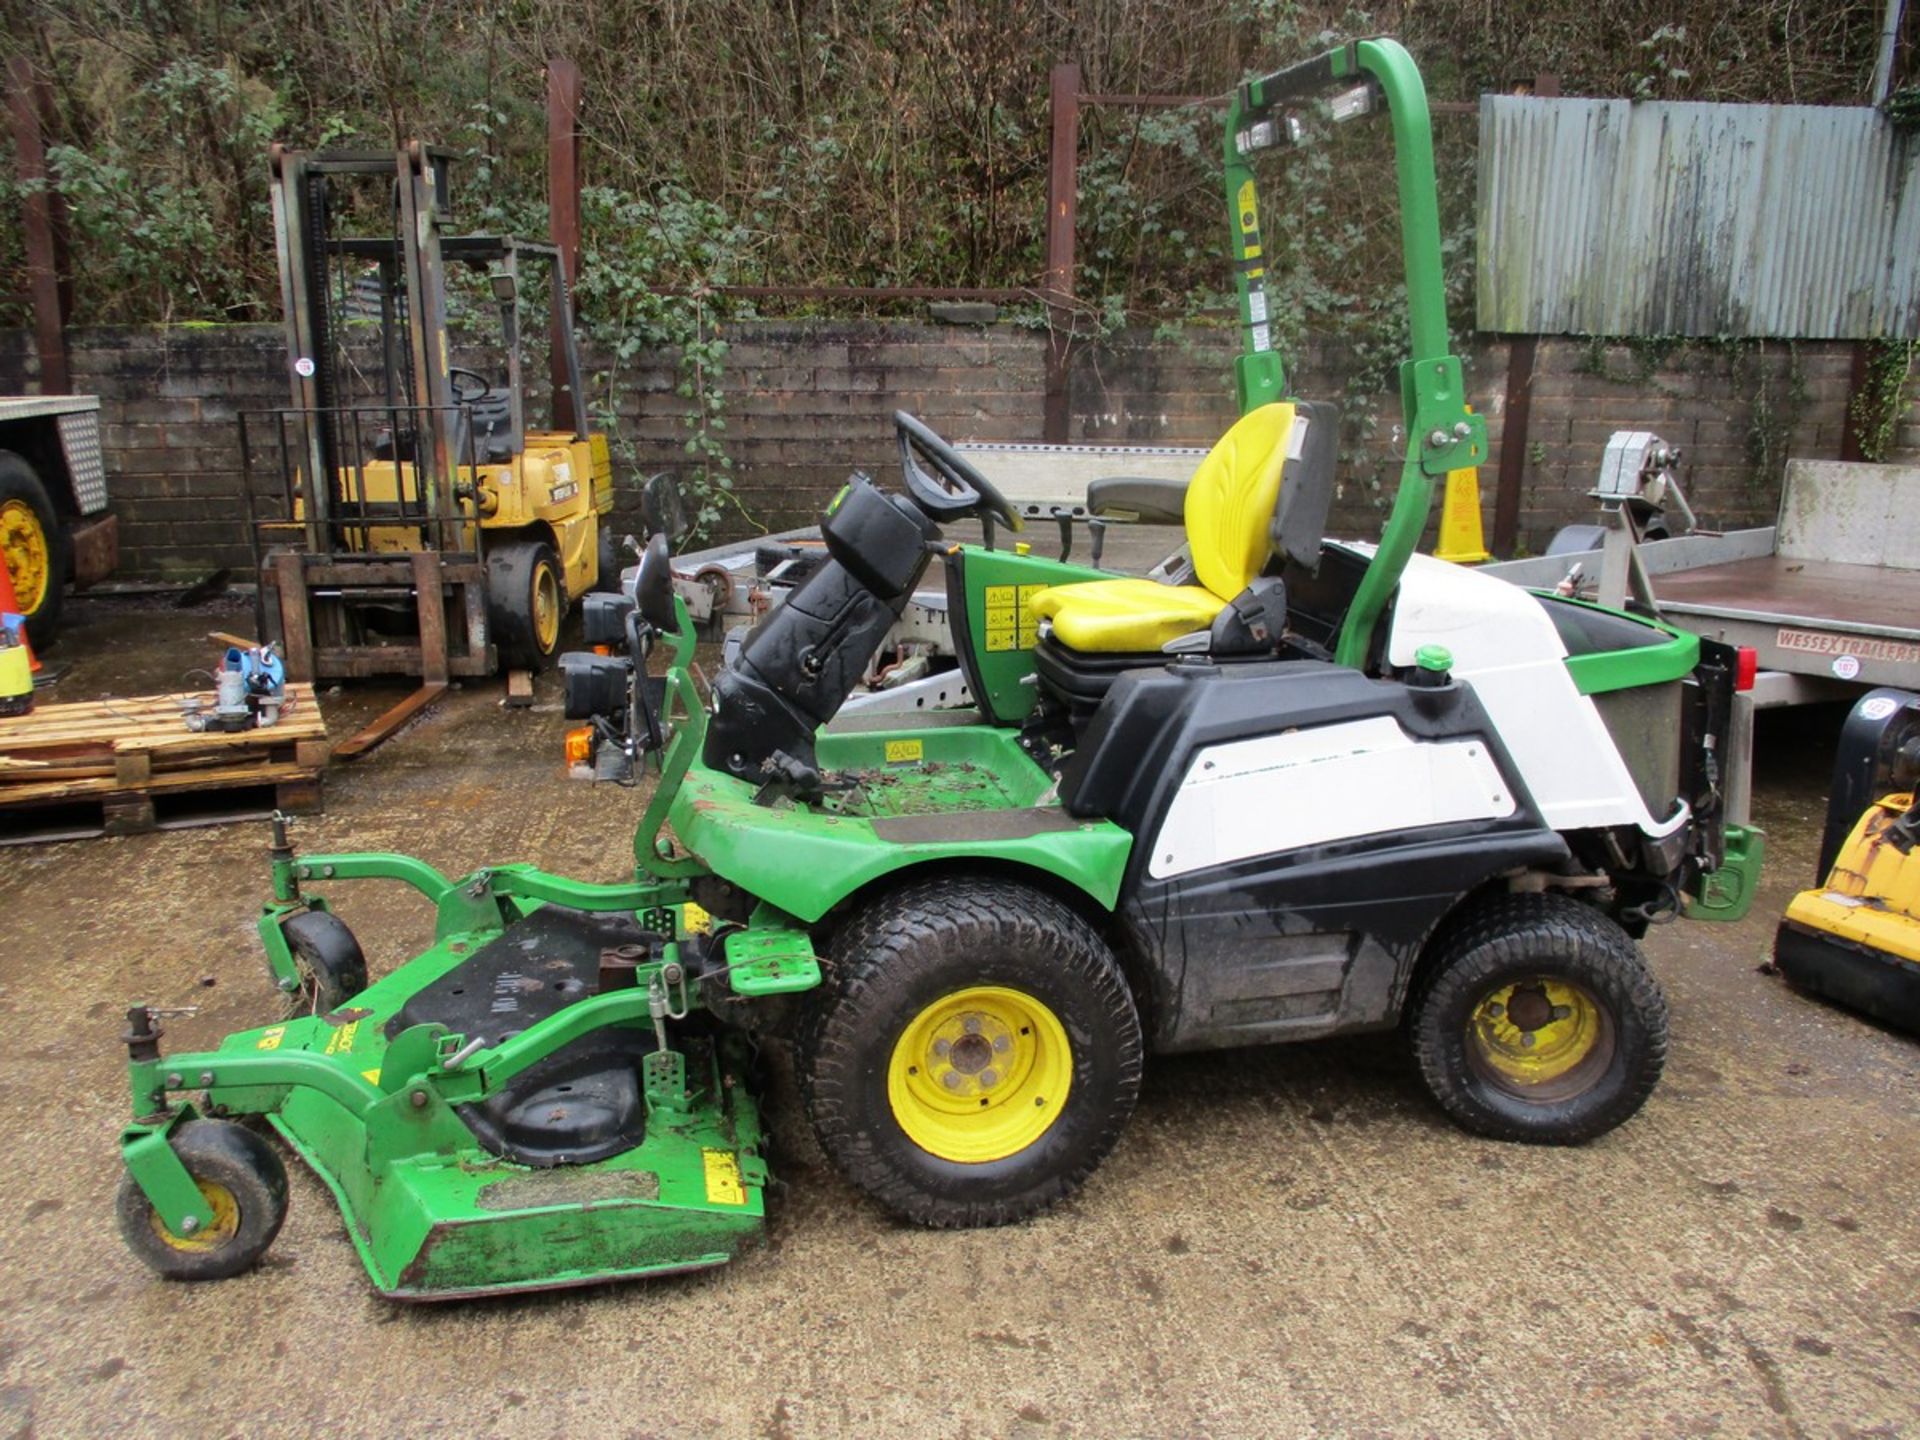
1538, 1021
243, 1180
973, 1055
35, 547
526, 601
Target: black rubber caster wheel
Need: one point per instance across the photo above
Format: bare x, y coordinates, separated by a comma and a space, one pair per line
328, 960
243, 1181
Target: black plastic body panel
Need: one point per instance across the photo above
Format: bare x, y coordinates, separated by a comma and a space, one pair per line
1312, 941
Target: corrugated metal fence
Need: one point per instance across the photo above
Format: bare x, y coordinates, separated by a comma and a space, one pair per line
1606, 217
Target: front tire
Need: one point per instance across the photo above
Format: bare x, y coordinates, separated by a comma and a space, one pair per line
974, 1054
1537, 1020
526, 601
244, 1183
34, 546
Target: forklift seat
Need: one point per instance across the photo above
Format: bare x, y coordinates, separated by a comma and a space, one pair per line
1230, 505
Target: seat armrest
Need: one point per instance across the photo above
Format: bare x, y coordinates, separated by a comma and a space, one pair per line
1144, 498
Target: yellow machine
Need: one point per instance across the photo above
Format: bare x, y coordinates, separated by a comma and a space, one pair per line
426, 523
1855, 938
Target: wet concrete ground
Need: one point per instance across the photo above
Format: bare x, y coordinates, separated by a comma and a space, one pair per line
1287, 1241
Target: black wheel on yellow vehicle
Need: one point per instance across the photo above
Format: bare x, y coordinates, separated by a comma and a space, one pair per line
328, 960
1537, 1020
973, 1054
245, 1185
608, 582
34, 546
526, 601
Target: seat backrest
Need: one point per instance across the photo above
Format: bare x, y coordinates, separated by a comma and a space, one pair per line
1231, 499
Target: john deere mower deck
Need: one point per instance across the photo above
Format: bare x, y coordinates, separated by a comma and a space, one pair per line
1301, 789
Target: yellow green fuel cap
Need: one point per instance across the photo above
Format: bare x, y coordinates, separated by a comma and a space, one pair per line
1433, 657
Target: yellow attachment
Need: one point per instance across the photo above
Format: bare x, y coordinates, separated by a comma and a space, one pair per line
226, 1221
28, 557
1540, 1038
1872, 898
980, 1074
1229, 513
1461, 539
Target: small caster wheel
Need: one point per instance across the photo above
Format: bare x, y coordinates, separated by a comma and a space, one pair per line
328, 960
243, 1181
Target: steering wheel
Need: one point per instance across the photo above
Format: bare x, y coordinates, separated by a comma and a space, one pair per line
456, 373
955, 490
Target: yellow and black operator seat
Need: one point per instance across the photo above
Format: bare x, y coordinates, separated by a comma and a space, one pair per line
1259, 498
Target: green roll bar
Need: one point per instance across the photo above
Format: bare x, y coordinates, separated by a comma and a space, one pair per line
1441, 434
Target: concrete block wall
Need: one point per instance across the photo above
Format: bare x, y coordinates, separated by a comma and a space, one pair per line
809, 401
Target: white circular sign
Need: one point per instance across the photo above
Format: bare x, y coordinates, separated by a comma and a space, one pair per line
303, 367
1878, 708
1846, 666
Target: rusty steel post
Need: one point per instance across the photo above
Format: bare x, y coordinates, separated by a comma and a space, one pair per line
1062, 186
27, 106
563, 216
1522, 351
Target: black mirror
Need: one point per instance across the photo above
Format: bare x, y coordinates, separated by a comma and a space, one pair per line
653, 587
665, 511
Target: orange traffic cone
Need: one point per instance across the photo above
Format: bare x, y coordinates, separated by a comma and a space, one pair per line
9, 605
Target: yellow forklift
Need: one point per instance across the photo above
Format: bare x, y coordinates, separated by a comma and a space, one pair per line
1855, 938
420, 508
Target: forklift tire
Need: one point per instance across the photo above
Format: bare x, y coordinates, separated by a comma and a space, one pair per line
34, 546
526, 601
1537, 1020
329, 961
244, 1181
608, 582
973, 1054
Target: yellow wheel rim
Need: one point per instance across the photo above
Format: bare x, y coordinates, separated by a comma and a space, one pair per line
546, 608
226, 1222
1541, 1038
980, 1074
23, 545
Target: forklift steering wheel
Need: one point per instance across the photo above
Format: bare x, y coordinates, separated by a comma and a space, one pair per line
955, 490
456, 373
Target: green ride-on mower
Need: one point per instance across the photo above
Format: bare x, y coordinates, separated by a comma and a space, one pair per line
1310, 789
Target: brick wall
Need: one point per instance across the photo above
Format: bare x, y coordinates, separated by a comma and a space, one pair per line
808, 401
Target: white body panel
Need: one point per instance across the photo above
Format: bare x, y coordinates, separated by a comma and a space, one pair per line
1503, 642
1306, 787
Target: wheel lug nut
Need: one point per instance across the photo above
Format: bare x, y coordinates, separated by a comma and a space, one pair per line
942, 1047
1561, 1012
971, 1025
1002, 1044
1496, 1010
951, 1080
1527, 1039
988, 1079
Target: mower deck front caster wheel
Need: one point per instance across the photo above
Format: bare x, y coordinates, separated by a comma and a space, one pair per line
328, 960
1537, 1020
244, 1183
974, 1053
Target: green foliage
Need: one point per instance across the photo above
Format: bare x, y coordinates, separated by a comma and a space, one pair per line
1880, 402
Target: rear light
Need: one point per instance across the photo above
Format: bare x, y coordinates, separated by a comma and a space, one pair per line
580, 745
1745, 667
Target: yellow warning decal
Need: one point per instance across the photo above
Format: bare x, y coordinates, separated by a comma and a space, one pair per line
1249, 208
270, 1039
900, 752
341, 1041
694, 920
1010, 621
723, 1178
372, 1077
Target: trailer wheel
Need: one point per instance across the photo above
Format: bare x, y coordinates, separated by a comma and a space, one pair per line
34, 546
973, 1055
329, 962
1538, 1021
526, 600
243, 1181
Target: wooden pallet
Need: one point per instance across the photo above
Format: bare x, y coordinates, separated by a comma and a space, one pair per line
118, 767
